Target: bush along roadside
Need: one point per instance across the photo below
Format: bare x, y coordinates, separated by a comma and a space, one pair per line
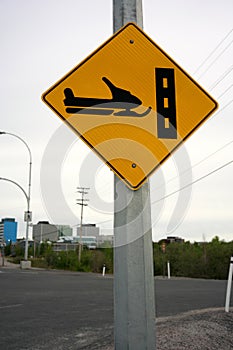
196, 260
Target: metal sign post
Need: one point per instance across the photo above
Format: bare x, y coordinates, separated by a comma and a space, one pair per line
134, 302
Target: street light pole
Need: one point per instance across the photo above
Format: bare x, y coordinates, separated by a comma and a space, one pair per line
28, 196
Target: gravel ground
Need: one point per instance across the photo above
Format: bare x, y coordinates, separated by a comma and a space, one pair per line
210, 329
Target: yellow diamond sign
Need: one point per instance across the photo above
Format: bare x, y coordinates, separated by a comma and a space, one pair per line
131, 103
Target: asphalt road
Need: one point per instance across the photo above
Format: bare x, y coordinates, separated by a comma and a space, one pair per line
39, 306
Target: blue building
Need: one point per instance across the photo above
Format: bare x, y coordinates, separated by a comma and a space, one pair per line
8, 230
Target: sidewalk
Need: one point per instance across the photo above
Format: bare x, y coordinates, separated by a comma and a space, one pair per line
8, 264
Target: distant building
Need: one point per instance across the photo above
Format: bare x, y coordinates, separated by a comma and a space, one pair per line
88, 230
91, 230
105, 241
64, 230
63, 246
21, 243
2, 240
62, 234
44, 231
173, 239
8, 230
89, 241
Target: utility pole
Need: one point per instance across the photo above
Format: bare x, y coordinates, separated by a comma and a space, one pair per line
81, 201
134, 301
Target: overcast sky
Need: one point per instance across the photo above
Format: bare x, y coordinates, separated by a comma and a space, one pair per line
40, 42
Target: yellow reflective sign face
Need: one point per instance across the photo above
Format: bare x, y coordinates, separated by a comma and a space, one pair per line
131, 103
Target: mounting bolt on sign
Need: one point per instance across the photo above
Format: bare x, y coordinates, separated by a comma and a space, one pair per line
131, 104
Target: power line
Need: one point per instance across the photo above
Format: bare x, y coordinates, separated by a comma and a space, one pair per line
198, 163
186, 186
227, 89
223, 76
193, 182
220, 110
211, 64
103, 222
213, 51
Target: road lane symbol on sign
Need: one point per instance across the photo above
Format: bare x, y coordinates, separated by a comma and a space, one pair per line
131, 104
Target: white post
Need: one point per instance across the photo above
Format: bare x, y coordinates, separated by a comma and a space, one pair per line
104, 268
229, 284
168, 270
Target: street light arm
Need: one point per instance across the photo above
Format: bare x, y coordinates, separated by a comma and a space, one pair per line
30, 158
15, 183
18, 137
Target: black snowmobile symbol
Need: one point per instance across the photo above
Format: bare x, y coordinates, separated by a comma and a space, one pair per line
120, 104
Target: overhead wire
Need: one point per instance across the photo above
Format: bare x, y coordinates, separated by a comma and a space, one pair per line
211, 64
229, 87
223, 76
213, 51
220, 110
193, 182
196, 164
189, 169
188, 185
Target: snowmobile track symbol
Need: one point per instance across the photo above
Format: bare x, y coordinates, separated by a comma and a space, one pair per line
122, 101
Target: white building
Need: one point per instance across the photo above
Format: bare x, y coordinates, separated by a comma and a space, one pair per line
91, 230
88, 230
44, 231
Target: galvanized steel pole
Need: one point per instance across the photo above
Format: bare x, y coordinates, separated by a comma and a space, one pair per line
134, 302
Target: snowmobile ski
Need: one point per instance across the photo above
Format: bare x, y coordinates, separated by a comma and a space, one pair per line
94, 111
